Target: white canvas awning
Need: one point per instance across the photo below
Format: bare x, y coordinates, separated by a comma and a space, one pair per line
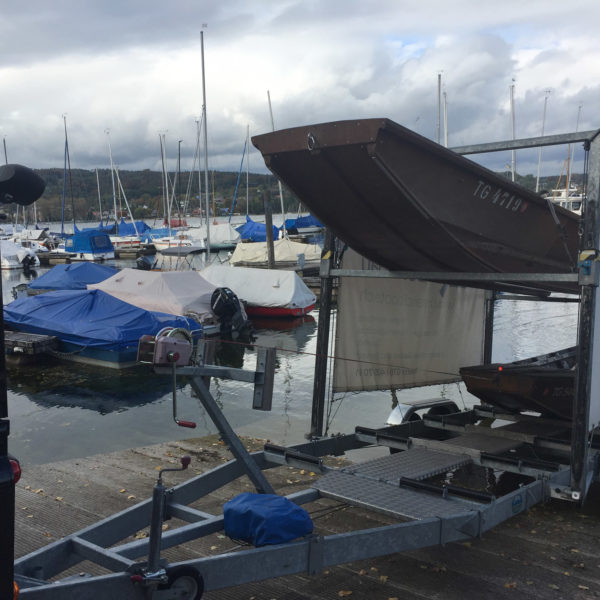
398, 333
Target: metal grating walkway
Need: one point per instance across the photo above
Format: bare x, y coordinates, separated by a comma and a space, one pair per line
416, 463
375, 484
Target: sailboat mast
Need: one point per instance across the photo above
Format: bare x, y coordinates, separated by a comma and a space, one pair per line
112, 176
445, 120
178, 195
537, 179
247, 164
571, 153
278, 181
69, 171
439, 115
99, 196
206, 190
513, 165
166, 203
199, 169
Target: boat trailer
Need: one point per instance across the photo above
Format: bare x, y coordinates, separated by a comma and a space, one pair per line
408, 485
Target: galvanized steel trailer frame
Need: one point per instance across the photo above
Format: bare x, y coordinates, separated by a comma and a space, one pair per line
393, 485
439, 514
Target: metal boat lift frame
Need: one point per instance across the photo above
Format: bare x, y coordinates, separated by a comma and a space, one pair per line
395, 485
586, 411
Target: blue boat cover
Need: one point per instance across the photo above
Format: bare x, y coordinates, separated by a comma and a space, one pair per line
90, 240
300, 222
129, 229
122, 229
75, 276
89, 318
255, 232
263, 519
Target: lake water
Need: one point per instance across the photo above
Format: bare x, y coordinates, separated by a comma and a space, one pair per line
65, 410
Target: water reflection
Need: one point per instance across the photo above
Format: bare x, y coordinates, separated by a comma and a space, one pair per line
91, 388
523, 329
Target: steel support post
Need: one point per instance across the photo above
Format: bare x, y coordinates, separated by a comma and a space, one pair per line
586, 406
320, 382
7, 487
490, 307
269, 228
229, 436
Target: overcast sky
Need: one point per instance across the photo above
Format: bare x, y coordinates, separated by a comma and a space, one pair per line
133, 67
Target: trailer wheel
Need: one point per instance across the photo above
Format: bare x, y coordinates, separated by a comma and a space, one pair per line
184, 582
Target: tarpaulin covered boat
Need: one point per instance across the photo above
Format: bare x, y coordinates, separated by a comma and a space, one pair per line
288, 255
407, 203
92, 326
266, 292
543, 384
173, 292
75, 276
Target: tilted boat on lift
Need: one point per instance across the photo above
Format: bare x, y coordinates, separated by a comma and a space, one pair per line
544, 384
407, 203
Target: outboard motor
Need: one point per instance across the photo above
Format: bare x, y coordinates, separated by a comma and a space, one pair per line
28, 264
230, 312
144, 263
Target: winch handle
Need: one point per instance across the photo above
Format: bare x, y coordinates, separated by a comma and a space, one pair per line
180, 422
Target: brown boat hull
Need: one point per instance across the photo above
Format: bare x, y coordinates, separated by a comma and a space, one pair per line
407, 203
545, 384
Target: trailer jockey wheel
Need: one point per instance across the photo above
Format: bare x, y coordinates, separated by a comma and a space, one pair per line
184, 583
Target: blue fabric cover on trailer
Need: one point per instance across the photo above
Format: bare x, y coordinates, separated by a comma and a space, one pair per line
74, 276
263, 519
90, 318
255, 232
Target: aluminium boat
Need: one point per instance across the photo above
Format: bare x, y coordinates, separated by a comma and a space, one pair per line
409, 204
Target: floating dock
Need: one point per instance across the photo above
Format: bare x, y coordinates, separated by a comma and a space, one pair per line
24, 347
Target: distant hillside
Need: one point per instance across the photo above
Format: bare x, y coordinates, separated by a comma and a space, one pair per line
144, 193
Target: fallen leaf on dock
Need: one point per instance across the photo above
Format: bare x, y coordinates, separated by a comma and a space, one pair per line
383, 578
343, 593
58, 498
131, 497
122, 491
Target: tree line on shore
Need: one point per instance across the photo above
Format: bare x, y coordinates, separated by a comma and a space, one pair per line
83, 195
